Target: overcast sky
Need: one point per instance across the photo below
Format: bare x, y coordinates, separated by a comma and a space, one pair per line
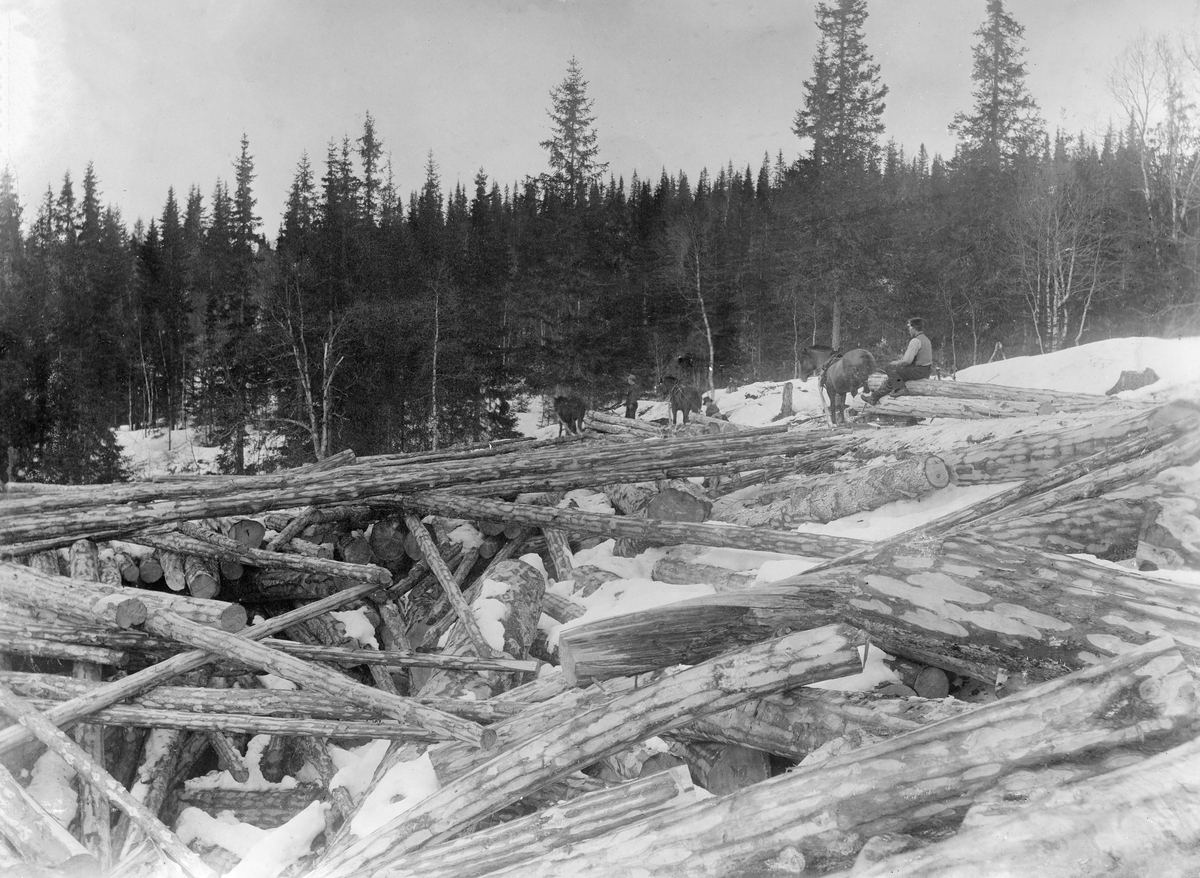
158, 94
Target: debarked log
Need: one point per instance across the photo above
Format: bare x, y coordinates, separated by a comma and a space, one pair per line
821, 815
1004, 615
824, 498
548, 754
1141, 819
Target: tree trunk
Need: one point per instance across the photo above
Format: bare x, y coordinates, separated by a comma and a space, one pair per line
1037, 453
313, 677
1103, 526
137, 683
1049, 400
825, 498
822, 814
1088, 822
662, 532
965, 605
562, 824
101, 606
551, 753
87, 768
721, 579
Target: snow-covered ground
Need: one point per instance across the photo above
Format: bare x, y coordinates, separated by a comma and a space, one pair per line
1089, 369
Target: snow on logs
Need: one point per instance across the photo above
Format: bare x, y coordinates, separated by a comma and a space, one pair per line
824, 498
821, 814
555, 751
962, 604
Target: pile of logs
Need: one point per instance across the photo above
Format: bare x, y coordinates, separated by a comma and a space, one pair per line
147, 631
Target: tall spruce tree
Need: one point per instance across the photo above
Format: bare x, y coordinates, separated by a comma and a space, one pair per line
572, 146
843, 102
1004, 123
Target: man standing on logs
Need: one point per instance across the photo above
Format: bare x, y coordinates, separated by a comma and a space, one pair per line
917, 362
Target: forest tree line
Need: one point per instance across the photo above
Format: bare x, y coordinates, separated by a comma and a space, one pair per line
384, 324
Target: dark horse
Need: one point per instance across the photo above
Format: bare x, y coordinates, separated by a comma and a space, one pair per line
682, 398
839, 374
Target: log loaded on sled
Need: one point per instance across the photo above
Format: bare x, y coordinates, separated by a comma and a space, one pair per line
391, 625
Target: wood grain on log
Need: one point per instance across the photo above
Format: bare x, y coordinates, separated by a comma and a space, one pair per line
827, 497
1001, 614
1141, 819
826, 811
139, 682
559, 825
95, 774
551, 753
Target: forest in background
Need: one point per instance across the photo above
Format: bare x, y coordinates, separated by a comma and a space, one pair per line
384, 323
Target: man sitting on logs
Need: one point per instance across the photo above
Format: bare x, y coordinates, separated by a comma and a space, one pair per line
914, 365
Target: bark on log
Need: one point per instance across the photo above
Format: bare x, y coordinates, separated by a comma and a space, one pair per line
518, 587
125, 509
202, 579
794, 724
172, 565
139, 682
312, 677
445, 578
552, 753
664, 532
160, 757
1037, 453
561, 825
102, 606
722, 768
95, 774
828, 497
825, 812
1142, 819
905, 406
266, 809
1103, 526
631, 426
682, 573
36, 647
1056, 401
965, 605
228, 550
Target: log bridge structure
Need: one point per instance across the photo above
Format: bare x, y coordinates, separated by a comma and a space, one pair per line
1042, 717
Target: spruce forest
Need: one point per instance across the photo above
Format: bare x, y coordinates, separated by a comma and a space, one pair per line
367, 319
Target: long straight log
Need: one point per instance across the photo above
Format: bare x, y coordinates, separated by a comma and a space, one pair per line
588, 816
99, 606
252, 702
95, 774
552, 753
821, 815
252, 724
445, 578
1058, 401
133, 508
139, 682
311, 677
229, 550
662, 532
827, 497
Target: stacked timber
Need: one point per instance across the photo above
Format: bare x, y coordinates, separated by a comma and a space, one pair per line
409, 600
